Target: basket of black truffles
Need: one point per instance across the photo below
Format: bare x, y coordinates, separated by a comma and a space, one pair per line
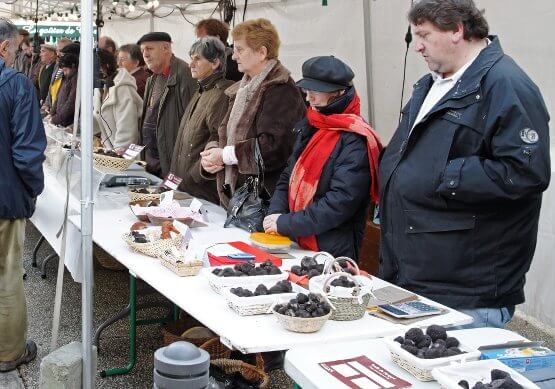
418, 352
308, 268
253, 299
348, 294
304, 313
486, 374
105, 159
243, 273
152, 193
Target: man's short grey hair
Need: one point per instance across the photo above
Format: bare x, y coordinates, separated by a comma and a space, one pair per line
210, 48
8, 30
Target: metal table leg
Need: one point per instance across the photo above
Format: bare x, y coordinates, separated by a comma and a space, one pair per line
131, 310
36, 250
44, 262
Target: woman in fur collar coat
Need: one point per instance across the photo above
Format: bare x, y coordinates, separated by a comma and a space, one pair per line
264, 106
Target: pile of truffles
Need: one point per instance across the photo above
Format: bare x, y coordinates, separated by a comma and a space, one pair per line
499, 380
431, 345
309, 267
247, 269
283, 286
304, 306
108, 153
343, 281
166, 229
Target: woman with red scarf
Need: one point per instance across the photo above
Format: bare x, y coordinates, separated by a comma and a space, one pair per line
321, 199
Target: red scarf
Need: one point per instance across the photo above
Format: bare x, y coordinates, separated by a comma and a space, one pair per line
308, 169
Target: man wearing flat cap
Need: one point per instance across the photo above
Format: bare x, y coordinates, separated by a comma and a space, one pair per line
47, 64
167, 94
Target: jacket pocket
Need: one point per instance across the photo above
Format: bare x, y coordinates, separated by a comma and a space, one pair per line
438, 254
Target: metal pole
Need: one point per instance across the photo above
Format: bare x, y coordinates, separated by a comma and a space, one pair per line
368, 49
86, 95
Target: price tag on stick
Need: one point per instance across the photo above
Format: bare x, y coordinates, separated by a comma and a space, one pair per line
171, 181
132, 151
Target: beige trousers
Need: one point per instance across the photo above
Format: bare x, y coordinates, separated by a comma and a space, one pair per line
13, 307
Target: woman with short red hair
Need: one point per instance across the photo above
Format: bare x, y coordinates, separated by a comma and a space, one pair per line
264, 107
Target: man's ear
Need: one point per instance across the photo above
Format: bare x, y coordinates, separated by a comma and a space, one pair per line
458, 33
4, 48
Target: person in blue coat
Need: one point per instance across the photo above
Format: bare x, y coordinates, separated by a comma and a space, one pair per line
461, 180
22, 145
322, 196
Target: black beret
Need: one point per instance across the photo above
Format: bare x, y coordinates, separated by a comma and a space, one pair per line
155, 37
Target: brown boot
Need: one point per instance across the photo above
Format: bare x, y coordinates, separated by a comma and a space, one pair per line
29, 354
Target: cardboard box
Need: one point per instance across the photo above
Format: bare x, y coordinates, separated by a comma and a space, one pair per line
522, 357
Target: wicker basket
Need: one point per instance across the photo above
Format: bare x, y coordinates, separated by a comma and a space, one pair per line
180, 268
106, 260
422, 368
347, 308
172, 332
249, 372
216, 349
111, 164
155, 248
218, 283
152, 196
299, 324
141, 203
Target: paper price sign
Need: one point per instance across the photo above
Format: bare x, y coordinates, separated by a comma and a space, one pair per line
132, 151
172, 181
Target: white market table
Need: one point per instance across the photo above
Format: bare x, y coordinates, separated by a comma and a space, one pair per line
252, 334
302, 363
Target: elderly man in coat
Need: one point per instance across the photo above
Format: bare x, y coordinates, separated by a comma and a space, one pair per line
22, 144
462, 178
167, 93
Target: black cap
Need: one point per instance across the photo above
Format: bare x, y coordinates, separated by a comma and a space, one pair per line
326, 74
155, 37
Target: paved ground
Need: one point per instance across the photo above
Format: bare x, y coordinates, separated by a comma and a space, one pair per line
110, 295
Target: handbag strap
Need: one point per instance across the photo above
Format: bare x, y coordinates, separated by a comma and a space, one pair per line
259, 162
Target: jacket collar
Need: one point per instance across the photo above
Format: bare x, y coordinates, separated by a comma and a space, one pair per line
5, 72
278, 75
122, 78
472, 77
210, 82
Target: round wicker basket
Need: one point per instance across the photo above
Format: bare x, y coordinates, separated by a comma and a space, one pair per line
249, 372
299, 324
347, 308
216, 349
155, 248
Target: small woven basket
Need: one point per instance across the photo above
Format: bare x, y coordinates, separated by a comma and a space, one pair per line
182, 269
249, 372
151, 196
111, 164
299, 324
106, 260
155, 248
216, 349
171, 332
347, 308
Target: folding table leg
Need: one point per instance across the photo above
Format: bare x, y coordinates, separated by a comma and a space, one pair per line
44, 262
132, 332
36, 250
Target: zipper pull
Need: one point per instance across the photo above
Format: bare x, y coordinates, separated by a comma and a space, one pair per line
402, 146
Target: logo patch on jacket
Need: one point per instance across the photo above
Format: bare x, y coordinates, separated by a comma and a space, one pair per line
455, 114
529, 136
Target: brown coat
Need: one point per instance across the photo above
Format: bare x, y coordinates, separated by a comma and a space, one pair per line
141, 75
199, 126
270, 116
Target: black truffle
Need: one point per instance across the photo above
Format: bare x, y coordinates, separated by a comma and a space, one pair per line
436, 332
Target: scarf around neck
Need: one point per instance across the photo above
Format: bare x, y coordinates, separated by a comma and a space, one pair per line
306, 173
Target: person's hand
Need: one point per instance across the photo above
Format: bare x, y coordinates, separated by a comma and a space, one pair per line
270, 223
213, 156
212, 169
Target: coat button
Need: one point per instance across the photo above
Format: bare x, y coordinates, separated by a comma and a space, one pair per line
477, 97
452, 193
411, 228
451, 183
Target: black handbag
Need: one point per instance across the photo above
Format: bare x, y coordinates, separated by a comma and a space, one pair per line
249, 204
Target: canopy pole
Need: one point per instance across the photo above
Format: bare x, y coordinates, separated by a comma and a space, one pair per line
87, 200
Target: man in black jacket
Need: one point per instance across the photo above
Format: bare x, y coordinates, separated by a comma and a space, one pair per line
22, 144
461, 181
